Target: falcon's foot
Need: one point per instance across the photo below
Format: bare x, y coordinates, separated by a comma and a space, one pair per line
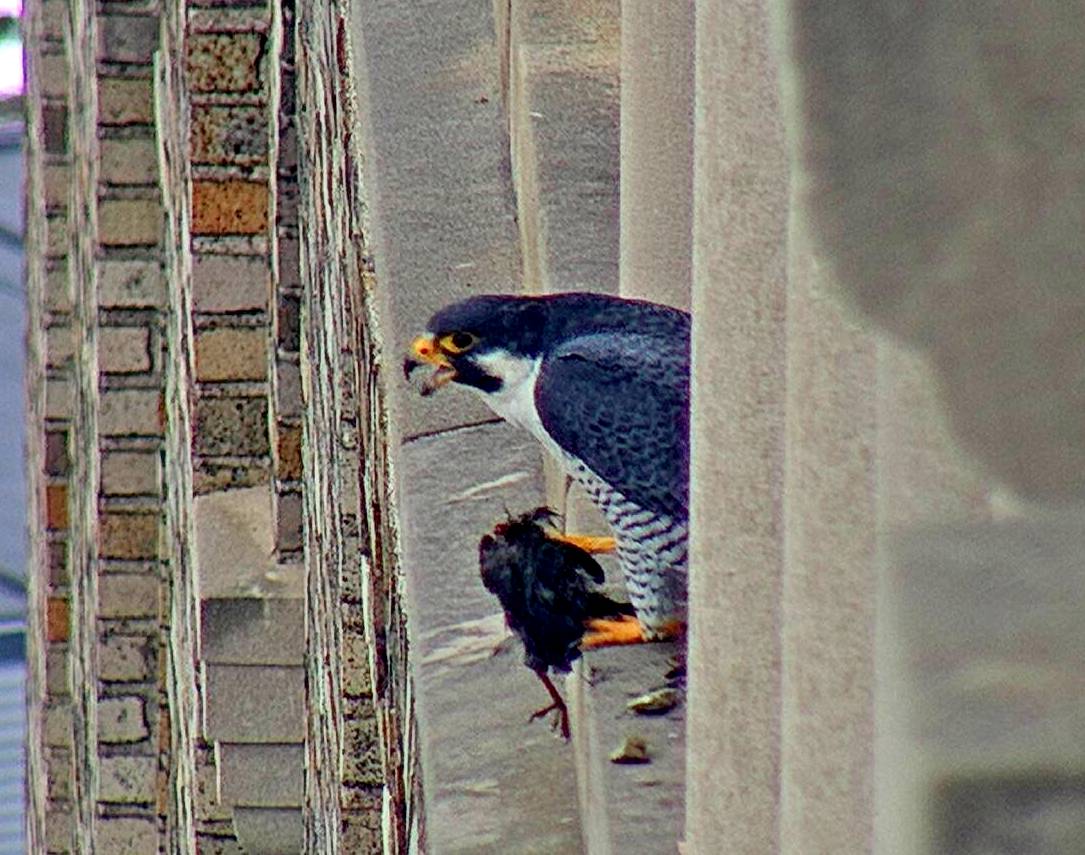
590, 543
610, 632
558, 705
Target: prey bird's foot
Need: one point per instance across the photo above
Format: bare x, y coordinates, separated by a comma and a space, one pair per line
590, 543
557, 703
561, 721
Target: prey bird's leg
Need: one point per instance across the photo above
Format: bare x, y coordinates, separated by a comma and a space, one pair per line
558, 704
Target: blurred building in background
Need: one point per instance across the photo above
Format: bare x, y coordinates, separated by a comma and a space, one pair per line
12, 460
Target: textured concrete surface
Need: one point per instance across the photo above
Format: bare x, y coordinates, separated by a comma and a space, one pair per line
736, 550
563, 124
263, 775
830, 548
255, 631
923, 475
269, 831
253, 703
492, 781
923, 479
986, 671
955, 218
632, 808
657, 151
443, 219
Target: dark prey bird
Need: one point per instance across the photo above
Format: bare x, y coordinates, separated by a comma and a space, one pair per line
547, 588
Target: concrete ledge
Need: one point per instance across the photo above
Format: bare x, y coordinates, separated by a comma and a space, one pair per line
269, 831
563, 126
253, 703
635, 808
493, 782
260, 775
252, 631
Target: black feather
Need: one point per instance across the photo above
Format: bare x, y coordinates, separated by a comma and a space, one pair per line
548, 589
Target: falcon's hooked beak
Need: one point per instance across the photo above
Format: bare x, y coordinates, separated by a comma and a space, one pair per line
425, 349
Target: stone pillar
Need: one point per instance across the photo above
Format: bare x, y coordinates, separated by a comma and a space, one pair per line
961, 235
563, 141
187, 779
657, 150
739, 275
827, 710
923, 479
243, 319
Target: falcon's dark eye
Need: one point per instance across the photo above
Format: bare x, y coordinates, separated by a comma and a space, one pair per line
458, 342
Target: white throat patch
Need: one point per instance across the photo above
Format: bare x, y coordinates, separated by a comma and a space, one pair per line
515, 400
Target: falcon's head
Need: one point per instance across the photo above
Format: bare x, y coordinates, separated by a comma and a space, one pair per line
490, 340
477, 342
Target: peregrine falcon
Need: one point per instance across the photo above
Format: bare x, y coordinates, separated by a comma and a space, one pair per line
548, 590
603, 383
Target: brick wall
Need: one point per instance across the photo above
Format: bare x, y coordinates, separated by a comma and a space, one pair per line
96, 388
186, 492
360, 718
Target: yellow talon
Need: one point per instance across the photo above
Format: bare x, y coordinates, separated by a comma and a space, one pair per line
590, 543
612, 631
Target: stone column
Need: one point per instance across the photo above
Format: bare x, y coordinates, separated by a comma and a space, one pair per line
939, 173
657, 150
739, 274
827, 714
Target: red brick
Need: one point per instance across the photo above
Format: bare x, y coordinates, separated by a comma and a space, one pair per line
164, 735
56, 507
58, 563
288, 464
128, 595
229, 135
162, 792
56, 452
124, 350
57, 619
229, 207
230, 283
129, 161
127, 38
54, 120
129, 222
289, 524
53, 75
231, 426
56, 177
131, 412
